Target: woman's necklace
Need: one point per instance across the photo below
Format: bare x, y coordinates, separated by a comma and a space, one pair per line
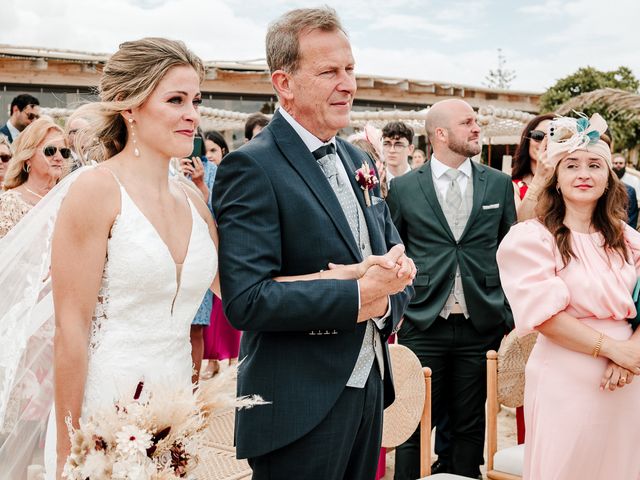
33, 193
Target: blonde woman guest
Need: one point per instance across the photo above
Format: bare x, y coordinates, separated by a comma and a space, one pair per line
38, 163
418, 158
5, 156
569, 274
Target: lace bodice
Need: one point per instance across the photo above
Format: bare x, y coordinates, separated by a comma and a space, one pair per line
12, 209
140, 330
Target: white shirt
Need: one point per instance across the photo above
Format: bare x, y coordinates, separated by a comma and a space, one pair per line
441, 182
313, 143
632, 181
391, 176
13, 131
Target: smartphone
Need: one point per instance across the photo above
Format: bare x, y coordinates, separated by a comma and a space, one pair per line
198, 147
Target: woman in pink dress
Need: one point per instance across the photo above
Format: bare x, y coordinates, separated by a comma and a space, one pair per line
569, 275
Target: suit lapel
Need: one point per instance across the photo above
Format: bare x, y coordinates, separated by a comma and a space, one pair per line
479, 189
372, 226
303, 162
425, 179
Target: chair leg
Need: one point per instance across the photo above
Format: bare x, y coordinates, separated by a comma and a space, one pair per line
492, 407
425, 427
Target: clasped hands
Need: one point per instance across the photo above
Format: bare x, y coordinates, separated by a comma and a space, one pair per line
623, 365
379, 276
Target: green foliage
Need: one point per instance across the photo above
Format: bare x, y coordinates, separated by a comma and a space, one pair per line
626, 133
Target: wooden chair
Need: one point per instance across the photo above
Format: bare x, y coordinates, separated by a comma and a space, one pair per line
414, 397
505, 464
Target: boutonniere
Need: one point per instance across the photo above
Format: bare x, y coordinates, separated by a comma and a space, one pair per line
366, 178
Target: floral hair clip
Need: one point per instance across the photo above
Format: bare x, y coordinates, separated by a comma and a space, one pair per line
366, 178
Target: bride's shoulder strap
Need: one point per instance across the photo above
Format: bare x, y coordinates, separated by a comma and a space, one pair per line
115, 177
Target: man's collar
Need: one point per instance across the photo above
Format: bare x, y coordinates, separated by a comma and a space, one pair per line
310, 140
438, 168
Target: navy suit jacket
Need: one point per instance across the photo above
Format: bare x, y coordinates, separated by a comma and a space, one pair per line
278, 215
4, 130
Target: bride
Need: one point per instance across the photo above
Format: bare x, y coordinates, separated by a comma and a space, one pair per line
142, 245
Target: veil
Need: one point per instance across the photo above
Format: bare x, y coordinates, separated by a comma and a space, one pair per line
26, 334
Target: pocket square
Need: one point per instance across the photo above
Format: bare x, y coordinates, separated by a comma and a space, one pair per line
376, 200
490, 207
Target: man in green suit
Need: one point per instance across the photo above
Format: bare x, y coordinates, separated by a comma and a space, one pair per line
451, 215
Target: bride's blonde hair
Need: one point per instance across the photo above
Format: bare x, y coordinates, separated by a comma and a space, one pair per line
128, 79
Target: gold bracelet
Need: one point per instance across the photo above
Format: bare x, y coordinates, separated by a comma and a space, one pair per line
596, 349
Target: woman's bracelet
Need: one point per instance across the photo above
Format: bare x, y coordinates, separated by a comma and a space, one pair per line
598, 346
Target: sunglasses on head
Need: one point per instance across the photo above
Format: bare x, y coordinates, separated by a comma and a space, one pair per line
50, 151
5, 158
537, 135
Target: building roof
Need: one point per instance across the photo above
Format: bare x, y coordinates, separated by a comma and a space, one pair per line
251, 77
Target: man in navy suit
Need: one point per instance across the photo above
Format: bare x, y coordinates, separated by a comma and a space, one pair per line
288, 204
24, 110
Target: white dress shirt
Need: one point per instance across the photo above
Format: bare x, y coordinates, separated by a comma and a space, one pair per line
441, 182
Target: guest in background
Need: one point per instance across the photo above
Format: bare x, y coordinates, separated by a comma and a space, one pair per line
5, 156
25, 109
39, 160
215, 146
221, 340
397, 138
75, 125
418, 158
531, 167
254, 125
569, 274
451, 215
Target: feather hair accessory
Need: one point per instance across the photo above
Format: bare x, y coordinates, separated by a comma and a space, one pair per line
567, 134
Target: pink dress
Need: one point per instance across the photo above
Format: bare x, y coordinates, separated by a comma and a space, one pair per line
221, 340
574, 430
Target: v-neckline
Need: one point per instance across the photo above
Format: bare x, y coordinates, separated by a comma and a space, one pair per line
157, 233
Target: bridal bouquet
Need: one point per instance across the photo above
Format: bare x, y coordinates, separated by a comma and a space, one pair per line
157, 438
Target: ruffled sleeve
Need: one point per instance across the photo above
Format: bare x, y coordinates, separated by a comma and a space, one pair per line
528, 274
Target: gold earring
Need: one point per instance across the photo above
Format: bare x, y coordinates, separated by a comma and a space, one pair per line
136, 152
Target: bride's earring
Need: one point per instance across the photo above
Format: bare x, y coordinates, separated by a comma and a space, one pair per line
136, 152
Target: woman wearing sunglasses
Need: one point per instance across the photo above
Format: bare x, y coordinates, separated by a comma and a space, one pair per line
531, 168
5, 156
38, 163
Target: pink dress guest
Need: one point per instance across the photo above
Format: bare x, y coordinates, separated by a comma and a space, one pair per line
221, 340
574, 431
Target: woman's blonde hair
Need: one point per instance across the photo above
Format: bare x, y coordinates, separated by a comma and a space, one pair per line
128, 79
24, 148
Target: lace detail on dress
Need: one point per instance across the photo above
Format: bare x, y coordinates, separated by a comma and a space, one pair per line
100, 313
12, 209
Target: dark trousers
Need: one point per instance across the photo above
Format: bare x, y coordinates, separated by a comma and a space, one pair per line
456, 353
344, 446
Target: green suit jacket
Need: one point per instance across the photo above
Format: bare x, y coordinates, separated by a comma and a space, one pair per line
428, 240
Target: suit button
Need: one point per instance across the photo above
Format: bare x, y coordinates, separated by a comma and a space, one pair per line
459, 247
451, 275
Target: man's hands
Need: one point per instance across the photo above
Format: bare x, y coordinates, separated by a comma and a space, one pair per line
386, 275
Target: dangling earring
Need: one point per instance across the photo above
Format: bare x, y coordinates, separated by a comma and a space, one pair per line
26, 167
136, 152
558, 189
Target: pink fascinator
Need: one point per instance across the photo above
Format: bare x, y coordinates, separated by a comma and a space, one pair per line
566, 135
372, 135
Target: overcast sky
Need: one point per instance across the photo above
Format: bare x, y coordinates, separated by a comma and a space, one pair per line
443, 40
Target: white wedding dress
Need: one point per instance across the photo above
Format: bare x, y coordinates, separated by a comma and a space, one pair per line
140, 329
